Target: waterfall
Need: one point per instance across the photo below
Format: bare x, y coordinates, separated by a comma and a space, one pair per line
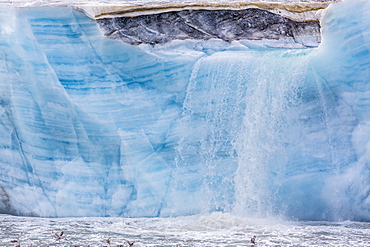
270, 126
260, 133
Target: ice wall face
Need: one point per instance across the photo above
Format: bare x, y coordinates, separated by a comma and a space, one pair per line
76, 110
96, 127
342, 63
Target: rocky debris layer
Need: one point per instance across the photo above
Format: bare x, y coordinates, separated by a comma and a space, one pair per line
228, 25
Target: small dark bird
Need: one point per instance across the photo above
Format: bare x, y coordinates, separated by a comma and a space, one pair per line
59, 236
253, 240
130, 243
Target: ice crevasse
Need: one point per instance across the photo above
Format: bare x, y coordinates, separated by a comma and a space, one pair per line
95, 127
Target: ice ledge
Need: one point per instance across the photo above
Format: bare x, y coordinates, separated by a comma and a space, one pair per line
297, 11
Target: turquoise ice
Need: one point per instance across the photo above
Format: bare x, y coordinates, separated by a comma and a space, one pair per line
95, 127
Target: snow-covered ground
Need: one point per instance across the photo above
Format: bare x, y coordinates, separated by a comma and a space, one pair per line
134, 2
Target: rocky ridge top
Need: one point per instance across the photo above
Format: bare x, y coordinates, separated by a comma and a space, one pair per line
296, 24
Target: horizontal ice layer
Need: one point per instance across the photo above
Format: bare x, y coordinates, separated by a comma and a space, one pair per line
96, 127
77, 110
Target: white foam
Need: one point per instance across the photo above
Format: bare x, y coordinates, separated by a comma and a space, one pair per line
216, 229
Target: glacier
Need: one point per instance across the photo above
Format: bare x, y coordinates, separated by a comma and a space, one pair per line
91, 126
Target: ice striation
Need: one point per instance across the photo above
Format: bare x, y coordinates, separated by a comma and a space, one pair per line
91, 126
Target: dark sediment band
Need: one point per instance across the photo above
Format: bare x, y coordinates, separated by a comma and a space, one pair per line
228, 25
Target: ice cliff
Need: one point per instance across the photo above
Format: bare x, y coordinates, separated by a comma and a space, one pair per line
91, 126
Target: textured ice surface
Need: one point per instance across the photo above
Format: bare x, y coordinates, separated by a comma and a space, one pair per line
83, 117
95, 127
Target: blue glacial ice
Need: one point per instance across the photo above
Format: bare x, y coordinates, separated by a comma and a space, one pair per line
96, 127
